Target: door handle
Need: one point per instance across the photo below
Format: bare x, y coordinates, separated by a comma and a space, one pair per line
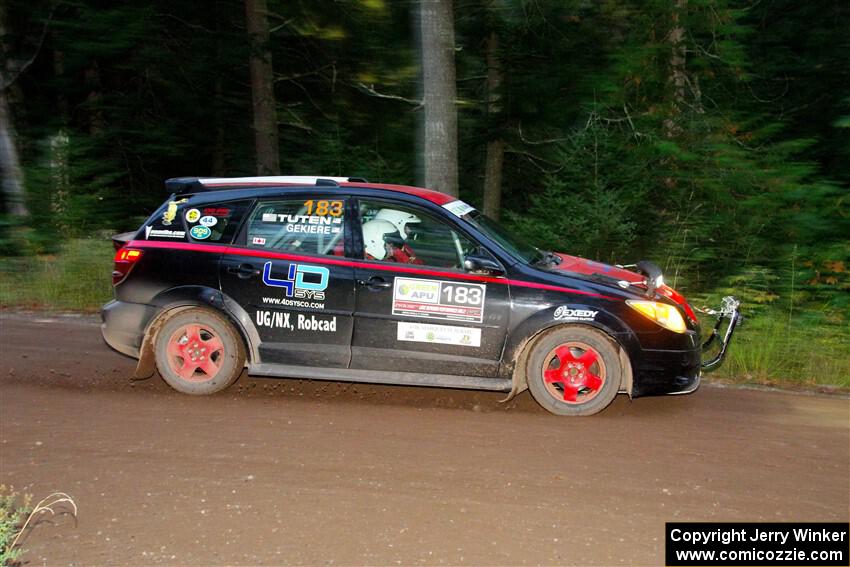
375, 283
244, 271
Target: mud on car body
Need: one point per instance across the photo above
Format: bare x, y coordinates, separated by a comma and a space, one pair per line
340, 279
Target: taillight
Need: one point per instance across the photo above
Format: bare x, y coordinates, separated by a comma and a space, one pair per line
125, 259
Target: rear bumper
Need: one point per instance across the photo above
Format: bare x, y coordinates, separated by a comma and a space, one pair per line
123, 326
667, 372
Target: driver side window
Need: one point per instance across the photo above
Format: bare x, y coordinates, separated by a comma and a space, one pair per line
406, 235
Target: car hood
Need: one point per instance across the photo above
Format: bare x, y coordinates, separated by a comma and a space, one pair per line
577, 265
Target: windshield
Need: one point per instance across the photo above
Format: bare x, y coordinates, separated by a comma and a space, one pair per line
516, 246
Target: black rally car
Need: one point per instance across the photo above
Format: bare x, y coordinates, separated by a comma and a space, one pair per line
340, 279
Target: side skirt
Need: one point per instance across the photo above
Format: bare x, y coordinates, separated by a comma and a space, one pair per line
380, 377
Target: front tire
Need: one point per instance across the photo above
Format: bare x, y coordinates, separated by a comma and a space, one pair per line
574, 371
199, 352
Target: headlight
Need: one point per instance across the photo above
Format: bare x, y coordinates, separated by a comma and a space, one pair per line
662, 313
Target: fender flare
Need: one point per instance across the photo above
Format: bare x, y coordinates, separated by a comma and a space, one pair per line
177, 299
532, 328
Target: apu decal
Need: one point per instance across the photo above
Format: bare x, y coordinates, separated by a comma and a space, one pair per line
566, 313
295, 284
436, 299
192, 215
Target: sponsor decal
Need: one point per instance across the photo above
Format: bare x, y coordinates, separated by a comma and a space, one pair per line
171, 211
439, 334
458, 208
305, 224
302, 281
282, 320
151, 232
200, 232
208, 220
258, 240
436, 299
567, 313
192, 215
322, 208
217, 211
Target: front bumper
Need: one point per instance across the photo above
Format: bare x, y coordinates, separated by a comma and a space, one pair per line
666, 372
123, 326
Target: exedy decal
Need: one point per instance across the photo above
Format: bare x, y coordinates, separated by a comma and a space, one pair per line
296, 283
567, 313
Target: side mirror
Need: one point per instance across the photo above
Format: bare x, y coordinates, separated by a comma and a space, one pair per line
482, 265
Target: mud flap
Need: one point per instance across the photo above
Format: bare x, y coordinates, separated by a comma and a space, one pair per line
147, 357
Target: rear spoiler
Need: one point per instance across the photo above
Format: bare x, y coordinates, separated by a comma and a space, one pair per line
121, 240
187, 185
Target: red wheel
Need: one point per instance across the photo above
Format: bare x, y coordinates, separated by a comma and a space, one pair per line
199, 352
195, 353
574, 370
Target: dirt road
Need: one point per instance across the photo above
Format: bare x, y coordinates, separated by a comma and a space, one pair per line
289, 472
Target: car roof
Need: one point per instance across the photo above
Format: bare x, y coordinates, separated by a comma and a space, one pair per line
201, 184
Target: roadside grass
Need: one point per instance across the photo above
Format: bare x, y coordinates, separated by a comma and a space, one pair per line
76, 279
769, 349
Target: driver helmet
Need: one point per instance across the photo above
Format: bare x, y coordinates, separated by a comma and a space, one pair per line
400, 219
376, 234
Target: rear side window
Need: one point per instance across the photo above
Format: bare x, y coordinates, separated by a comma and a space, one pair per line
216, 222
303, 226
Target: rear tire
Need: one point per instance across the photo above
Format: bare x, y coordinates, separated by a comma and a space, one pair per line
199, 352
574, 371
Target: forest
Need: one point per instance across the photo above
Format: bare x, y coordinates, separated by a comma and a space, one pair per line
709, 136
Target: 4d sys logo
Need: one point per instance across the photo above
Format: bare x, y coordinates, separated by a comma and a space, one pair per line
296, 284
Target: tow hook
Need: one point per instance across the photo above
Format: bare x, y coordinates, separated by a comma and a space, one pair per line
728, 311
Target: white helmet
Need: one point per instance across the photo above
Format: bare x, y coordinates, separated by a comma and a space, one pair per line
375, 233
399, 218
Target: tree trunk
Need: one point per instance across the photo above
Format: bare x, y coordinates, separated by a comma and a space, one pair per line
495, 144
439, 95
91, 76
11, 175
678, 72
60, 144
10, 168
262, 89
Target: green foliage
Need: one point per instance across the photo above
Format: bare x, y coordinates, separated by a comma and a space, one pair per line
14, 510
592, 205
77, 278
772, 349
